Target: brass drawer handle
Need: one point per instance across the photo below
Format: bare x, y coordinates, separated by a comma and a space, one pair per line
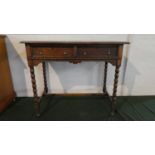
40, 53
84, 53
109, 52
65, 53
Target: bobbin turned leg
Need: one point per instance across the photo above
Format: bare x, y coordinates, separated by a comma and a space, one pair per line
114, 96
36, 98
105, 78
45, 79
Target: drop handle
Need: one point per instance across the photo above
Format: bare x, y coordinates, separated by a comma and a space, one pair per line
109, 52
84, 53
65, 53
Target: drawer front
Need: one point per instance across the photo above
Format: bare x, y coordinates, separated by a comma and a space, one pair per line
98, 52
53, 52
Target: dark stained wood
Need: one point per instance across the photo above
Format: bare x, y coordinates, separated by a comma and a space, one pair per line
45, 79
29, 56
105, 77
120, 52
98, 52
55, 52
34, 86
7, 93
78, 94
74, 52
114, 96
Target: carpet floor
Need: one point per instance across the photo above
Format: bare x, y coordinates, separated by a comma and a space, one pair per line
82, 108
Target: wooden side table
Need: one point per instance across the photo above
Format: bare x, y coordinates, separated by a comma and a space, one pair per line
74, 52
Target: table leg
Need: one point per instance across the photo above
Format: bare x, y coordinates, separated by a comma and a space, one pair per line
105, 77
114, 96
45, 79
36, 98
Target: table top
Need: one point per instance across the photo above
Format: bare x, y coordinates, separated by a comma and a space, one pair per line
77, 42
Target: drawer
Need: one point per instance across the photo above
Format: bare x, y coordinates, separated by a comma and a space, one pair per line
52, 52
97, 52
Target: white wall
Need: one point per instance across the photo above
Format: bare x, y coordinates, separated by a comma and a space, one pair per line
137, 72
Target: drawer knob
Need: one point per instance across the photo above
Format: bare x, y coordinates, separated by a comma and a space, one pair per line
85, 53
40, 52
